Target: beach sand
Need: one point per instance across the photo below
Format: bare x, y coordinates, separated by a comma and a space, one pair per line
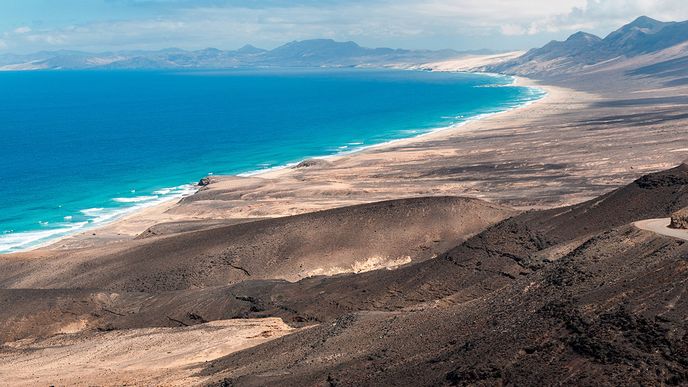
210, 257
172, 355
568, 147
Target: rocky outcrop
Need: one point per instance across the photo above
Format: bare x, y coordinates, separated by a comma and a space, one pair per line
312, 163
206, 181
679, 219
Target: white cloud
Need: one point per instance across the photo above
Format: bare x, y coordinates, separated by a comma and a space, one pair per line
22, 30
406, 23
53, 39
607, 15
512, 30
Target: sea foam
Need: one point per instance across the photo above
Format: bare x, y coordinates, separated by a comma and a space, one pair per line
246, 137
11, 241
136, 199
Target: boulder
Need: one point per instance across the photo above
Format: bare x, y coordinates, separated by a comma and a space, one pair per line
206, 181
679, 219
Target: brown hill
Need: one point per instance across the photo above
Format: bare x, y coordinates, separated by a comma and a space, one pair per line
352, 239
608, 311
574, 295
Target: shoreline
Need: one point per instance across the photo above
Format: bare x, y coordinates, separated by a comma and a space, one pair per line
134, 221
517, 81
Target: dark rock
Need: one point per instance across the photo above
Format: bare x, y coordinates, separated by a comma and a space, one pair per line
679, 219
206, 181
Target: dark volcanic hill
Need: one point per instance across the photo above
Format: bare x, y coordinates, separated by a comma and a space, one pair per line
328, 242
605, 306
576, 295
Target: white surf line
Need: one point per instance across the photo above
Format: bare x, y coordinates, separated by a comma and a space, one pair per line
661, 226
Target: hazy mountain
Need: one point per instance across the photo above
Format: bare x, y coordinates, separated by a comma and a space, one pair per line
250, 50
643, 36
308, 53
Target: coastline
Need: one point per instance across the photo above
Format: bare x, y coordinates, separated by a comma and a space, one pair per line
135, 222
128, 214
324, 213
471, 124
434, 133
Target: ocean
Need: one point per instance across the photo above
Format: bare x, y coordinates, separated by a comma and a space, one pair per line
82, 148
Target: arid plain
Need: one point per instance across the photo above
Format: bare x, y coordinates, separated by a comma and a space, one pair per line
502, 251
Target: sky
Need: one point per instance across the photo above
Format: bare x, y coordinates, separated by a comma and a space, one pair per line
111, 25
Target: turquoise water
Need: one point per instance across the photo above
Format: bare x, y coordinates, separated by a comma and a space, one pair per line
82, 148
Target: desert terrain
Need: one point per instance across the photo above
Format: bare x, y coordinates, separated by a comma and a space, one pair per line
520, 249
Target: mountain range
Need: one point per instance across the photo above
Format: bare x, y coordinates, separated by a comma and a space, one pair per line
644, 37
307, 53
565, 267
648, 39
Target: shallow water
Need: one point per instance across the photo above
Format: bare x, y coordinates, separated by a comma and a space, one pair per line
82, 148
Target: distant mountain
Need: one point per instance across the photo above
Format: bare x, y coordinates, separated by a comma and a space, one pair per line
250, 50
641, 37
307, 53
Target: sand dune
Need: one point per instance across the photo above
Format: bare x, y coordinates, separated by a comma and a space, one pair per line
471, 62
160, 356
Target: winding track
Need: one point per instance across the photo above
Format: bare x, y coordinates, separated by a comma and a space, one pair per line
661, 226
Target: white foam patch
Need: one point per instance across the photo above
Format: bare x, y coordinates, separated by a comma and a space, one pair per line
135, 199
11, 242
15, 242
172, 190
92, 211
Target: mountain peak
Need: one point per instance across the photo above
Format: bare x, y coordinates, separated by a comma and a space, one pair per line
583, 36
250, 49
321, 43
645, 22
319, 48
644, 34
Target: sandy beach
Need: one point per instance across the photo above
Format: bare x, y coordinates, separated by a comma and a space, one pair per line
116, 356
266, 194
544, 245
228, 277
541, 155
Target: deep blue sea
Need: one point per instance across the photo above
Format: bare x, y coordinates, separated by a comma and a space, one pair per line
82, 148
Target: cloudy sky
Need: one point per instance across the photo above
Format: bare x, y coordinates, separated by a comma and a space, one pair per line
100, 25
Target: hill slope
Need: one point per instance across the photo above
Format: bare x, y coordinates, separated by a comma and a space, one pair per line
582, 51
350, 239
575, 294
